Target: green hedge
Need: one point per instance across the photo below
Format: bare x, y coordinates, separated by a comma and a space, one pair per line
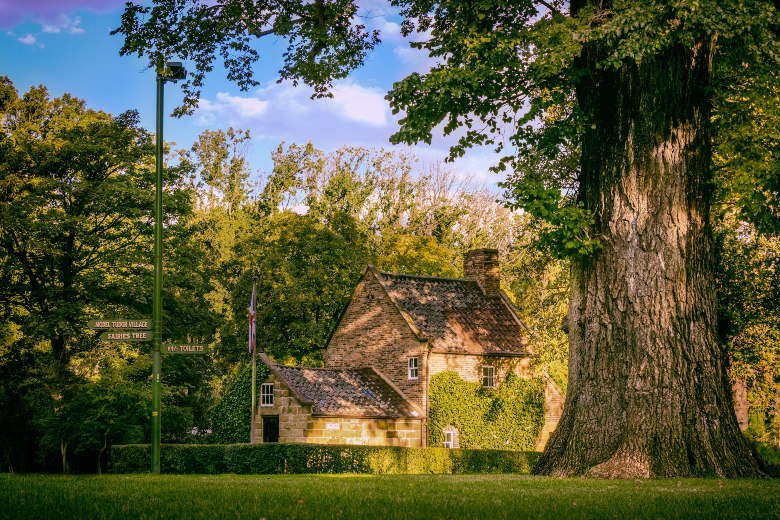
508, 417
316, 458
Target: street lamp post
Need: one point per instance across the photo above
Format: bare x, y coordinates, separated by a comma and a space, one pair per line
172, 71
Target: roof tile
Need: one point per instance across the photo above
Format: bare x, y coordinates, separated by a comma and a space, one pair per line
358, 392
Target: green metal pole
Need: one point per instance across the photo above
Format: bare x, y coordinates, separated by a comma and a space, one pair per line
157, 305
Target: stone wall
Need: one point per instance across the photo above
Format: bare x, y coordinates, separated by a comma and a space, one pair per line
293, 416
370, 432
372, 333
469, 367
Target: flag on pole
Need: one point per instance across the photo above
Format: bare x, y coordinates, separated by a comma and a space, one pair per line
252, 321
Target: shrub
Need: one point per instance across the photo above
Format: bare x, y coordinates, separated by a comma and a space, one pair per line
230, 417
130, 458
770, 453
316, 458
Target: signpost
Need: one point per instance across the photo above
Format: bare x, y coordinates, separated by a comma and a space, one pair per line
140, 330
170, 71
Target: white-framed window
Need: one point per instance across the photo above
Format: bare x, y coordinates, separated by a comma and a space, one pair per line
488, 377
451, 437
267, 394
414, 367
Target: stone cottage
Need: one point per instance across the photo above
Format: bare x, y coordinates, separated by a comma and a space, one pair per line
397, 332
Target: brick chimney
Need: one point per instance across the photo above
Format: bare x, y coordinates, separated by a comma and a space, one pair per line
482, 265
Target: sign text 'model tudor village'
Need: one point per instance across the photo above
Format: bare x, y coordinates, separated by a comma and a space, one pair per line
121, 324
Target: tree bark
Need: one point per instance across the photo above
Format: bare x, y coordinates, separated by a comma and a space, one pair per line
648, 392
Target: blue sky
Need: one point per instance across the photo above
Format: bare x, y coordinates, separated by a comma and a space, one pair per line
66, 46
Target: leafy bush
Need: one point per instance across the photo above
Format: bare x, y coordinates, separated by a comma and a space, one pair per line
509, 417
316, 458
230, 417
770, 453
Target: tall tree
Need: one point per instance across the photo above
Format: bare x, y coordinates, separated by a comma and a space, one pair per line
221, 165
304, 271
75, 205
630, 82
76, 208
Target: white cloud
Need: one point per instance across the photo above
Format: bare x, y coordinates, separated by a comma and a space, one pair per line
63, 24
29, 39
248, 107
234, 110
378, 15
284, 112
360, 104
473, 166
391, 31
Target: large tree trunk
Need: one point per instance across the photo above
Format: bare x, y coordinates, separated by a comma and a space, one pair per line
648, 393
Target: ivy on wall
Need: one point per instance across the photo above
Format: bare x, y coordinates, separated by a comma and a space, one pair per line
508, 417
231, 416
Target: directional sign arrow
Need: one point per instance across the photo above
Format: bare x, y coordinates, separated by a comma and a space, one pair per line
132, 335
119, 323
183, 348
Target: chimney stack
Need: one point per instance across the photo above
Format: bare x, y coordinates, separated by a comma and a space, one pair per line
482, 265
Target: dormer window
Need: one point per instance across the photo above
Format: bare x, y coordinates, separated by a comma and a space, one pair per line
488, 377
414, 367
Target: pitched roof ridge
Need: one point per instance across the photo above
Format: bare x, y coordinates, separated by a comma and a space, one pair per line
428, 277
509, 304
275, 370
334, 369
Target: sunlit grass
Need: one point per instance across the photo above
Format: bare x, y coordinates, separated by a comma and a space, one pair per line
388, 496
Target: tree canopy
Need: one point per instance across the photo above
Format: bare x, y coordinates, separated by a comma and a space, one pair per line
505, 73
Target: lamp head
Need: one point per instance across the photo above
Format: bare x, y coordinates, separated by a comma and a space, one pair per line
174, 71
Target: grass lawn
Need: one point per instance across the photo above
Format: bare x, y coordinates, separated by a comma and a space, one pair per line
387, 496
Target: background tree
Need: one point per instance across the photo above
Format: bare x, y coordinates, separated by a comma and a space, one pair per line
88, 416
75, 214
305, 272
76, 187
746, 156
748, 269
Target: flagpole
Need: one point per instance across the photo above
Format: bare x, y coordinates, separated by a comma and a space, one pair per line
253, 348
254, 397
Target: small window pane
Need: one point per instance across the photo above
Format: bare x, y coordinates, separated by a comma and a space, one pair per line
488, 379
267, 394
414, 370
448, 440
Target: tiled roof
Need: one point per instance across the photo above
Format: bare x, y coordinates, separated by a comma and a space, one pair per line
456, 314
357, 392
